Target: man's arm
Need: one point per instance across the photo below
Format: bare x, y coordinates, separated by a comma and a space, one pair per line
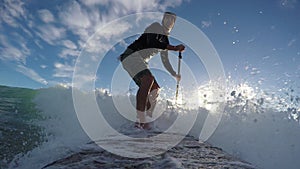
165, 60
152, 41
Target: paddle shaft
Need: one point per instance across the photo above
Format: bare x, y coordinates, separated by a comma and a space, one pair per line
178, 72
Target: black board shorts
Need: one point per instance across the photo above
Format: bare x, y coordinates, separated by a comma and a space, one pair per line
135, 65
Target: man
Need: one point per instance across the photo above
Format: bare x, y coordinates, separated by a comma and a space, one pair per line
135, 62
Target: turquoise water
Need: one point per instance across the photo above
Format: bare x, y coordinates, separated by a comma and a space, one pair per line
18, 134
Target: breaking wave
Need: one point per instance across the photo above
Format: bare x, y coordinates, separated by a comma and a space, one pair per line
257, 126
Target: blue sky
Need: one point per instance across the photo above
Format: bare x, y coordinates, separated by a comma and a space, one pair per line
257, 41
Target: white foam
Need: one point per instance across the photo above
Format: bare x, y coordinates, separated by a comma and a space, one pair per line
267, 139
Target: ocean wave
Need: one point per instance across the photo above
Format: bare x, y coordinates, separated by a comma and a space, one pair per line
256, 126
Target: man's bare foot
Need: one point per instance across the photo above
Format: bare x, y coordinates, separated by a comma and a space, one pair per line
137, 125
145, 126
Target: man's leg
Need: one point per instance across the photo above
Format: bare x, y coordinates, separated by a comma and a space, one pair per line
146, 82
152, 98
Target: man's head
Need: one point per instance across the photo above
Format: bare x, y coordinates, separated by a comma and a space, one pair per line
168, 21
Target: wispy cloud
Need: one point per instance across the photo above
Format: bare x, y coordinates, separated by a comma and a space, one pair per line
94, 2
46, 16
43, 66
100, 41
70, 49
69, 44
31, 74
66, 52
38, 43
11, 10
15, 47
9, 52
78, 26
118, 7
26, 31
63, 70
168, 4
51, 34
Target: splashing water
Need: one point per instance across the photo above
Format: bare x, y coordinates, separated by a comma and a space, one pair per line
257, 126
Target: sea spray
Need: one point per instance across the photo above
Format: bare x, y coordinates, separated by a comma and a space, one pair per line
255, 126
62, 132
